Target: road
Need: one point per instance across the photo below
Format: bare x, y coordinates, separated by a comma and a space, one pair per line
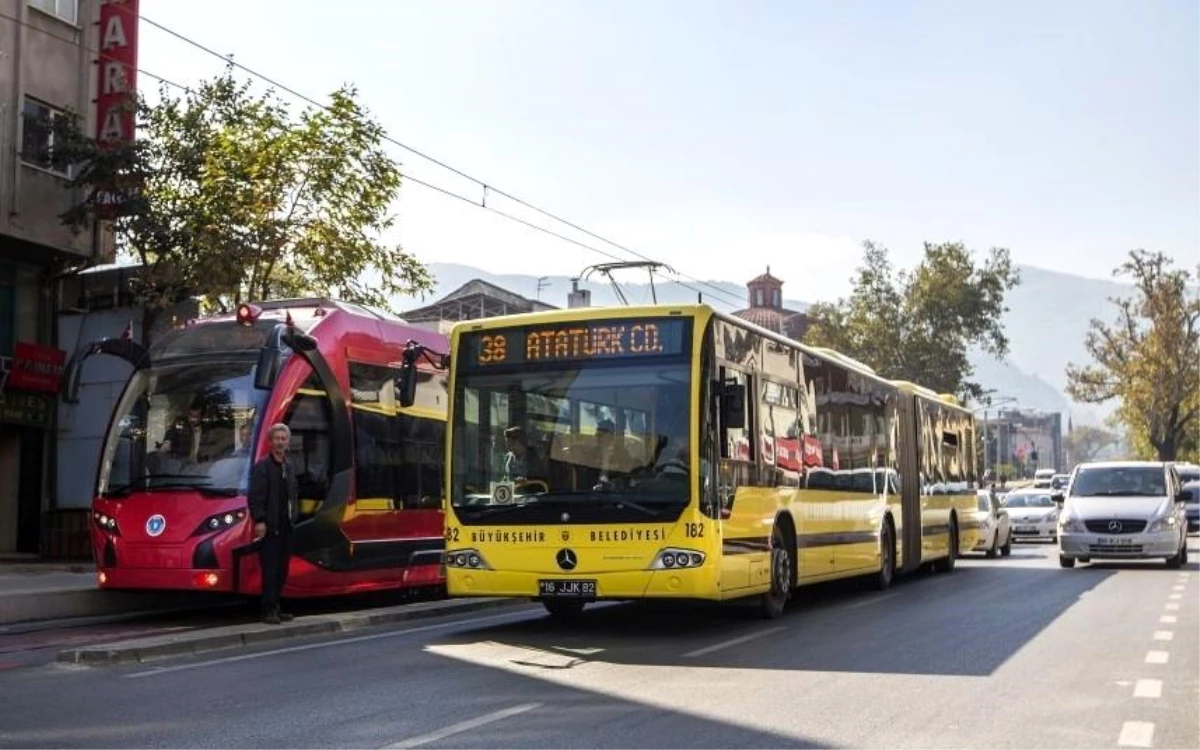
1012, 652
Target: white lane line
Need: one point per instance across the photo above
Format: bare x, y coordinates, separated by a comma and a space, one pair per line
1157, 657
1173, 606
1148, 689
1136, 734
1178, 588
1175, 597
732, 642
869, 602
464, 726
1168, 619
1164, 635
311, 646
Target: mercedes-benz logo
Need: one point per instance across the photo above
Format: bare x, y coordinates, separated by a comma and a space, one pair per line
566, 559
1114, 527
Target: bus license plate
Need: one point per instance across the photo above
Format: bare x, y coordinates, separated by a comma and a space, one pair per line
577, 589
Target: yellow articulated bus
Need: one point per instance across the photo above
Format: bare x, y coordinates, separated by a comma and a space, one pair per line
678, 452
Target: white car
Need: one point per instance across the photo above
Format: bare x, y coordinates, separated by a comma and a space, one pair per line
995, 532
1123, 510
1033, 514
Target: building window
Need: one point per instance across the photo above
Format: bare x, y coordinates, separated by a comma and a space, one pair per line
37, 135
758, 297
67, 10
776, 301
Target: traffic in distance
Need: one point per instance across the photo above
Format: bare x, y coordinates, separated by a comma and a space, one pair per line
570, 456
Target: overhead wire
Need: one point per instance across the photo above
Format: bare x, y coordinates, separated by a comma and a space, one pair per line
486, 186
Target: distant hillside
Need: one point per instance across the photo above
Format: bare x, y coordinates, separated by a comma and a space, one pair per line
1048, 317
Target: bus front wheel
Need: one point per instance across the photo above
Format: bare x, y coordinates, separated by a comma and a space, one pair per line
775, 599
563, 609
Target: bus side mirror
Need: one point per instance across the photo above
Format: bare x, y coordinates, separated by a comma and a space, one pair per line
1058, 498
406, 384
733, 406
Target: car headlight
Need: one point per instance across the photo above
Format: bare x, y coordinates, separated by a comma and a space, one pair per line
1072, 525
1161, 524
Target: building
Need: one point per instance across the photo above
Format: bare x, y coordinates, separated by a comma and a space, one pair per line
48, 67
765, 296
1025, 439
473, 300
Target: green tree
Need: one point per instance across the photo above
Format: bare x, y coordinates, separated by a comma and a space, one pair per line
226, 196
919, 325
1149, 359
1085, 443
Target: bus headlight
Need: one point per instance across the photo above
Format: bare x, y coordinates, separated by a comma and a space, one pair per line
467, 559
674, 558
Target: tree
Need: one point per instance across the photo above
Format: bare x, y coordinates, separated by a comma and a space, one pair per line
1149, 358
227, 197
918, 326
1085, 443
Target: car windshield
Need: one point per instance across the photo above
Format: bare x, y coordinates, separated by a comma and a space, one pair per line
605, 440
1188, 474
1028, 501
983, 502
184, 426
1106, 481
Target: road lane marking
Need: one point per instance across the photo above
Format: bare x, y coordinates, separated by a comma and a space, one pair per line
868, 602
464, 726
1148, 689
1178, 588
1173, 606
1168, 619
1164, 635
1157, 657
732, 642
1175, 596
311, 646
1136, 734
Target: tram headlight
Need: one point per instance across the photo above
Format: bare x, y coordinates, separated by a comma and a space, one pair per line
673, 558
106, 523
468, 559
219, 522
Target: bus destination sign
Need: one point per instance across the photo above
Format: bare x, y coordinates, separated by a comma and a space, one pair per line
631, 338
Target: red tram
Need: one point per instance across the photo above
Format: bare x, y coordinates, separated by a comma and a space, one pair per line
170, 506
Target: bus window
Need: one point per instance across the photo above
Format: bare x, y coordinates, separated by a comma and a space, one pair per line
419, 480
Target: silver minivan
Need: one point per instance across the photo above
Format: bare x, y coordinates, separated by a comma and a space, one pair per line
1122, 510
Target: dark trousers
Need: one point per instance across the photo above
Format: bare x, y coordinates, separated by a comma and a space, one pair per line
273, 557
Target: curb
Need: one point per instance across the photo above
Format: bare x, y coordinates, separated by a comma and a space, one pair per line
239, 636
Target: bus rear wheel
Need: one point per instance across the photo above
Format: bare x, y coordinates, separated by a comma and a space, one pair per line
946, 564
887, 557
563, 609
775, 599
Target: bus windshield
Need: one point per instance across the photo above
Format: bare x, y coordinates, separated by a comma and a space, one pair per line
584, 443
184, 425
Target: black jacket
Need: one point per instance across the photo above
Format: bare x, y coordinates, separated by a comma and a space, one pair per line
265, 493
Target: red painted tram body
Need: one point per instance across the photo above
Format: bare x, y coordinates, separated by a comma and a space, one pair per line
170, 507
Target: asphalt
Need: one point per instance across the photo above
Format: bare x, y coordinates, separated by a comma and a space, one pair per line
1012, 652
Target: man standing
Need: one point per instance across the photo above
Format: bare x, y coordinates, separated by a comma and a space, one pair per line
273, 500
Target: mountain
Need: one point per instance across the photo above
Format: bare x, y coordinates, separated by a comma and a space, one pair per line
1047, 320
724, 295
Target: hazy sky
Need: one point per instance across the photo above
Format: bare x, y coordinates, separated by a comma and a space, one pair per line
722, 137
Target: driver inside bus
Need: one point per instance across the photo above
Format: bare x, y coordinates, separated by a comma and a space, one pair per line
612, 459
520, 462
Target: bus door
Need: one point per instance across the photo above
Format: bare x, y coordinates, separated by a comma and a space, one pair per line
909, 536
737, 472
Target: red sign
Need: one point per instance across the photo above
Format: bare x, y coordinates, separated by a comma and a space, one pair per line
116, 112
36, 368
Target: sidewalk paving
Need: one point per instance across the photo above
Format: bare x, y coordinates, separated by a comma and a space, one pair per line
37, 592
186, 643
